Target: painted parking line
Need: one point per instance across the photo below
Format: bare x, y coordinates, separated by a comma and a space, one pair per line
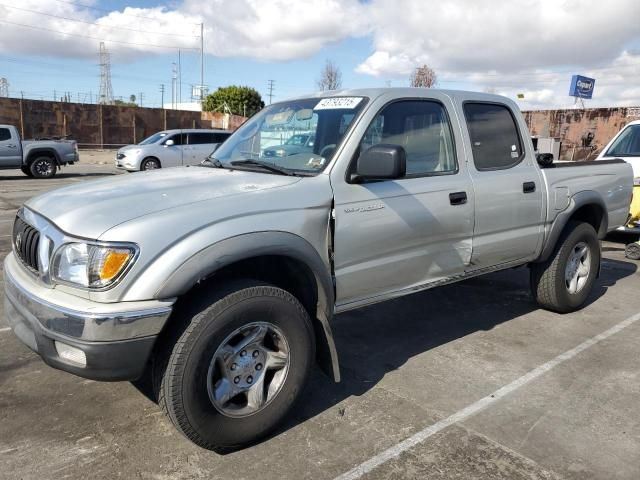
481, 404
5, 329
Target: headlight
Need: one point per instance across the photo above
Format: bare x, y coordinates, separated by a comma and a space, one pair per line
91, 266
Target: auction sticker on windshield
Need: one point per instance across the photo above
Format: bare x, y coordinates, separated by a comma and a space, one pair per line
338, 102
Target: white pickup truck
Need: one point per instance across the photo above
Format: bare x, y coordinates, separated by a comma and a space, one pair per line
36, 158
219, 282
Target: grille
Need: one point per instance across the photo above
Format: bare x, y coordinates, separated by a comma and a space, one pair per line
25, 243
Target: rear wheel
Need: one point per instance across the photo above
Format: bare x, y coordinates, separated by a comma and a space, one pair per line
26, 170
237, 367
564, 282
150, 164
43, 167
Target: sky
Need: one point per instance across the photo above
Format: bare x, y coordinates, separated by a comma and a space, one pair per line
510, 47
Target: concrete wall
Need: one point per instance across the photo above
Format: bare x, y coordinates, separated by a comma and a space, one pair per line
573, 127
97, 125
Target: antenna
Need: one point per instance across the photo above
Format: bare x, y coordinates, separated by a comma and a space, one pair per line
105, 96
4, 87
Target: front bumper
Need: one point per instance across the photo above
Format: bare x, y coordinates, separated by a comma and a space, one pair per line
116, 339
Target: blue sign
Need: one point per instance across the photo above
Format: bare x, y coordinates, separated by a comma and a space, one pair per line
581, 87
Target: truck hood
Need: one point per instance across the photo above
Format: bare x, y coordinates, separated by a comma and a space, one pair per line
91, 208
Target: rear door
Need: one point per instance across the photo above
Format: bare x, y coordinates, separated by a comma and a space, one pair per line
509, 193
399, 234
10, 151
200, 146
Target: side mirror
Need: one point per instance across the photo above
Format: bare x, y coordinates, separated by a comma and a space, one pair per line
381, 162
169, 143
544, 159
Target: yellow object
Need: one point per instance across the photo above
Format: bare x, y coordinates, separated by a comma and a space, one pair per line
634, 210
113, 264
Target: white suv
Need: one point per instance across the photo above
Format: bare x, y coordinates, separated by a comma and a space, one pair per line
170, 148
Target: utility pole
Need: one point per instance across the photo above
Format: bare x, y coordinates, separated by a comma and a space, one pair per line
162, 95
271, 82
179, 76
141, 95
201, 61
174, 80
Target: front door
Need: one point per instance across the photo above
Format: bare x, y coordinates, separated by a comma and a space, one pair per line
398, 234
172, 154
509, 212
10, 151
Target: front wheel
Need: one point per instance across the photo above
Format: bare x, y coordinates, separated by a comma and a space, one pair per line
43, 167
26, 170
564, 282
150, 164
238, 366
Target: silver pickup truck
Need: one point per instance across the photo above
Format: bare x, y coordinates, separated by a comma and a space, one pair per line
36, 158
218, 283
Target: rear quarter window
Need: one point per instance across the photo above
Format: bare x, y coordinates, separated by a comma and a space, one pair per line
495, 140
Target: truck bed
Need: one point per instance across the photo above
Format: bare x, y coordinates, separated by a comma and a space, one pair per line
566, 179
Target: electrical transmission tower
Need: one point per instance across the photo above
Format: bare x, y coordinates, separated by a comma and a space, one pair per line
106, 90
271, 82
4, 87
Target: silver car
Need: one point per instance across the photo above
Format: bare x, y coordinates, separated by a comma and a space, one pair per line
170, 148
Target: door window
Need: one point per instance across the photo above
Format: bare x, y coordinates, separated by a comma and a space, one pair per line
422, 128
5, 134
201, 138
495, 141
178, 139
627, 144
220, 137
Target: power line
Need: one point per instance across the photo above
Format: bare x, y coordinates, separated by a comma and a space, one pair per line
97, 38
91, 7
112, 27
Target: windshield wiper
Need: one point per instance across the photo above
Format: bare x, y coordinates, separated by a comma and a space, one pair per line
214, 162
266, 165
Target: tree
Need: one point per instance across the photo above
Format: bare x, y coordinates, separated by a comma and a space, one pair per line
423, 77
121, 103
244, 101
330, 77
132, 98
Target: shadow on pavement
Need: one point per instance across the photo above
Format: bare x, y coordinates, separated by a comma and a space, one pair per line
376, 340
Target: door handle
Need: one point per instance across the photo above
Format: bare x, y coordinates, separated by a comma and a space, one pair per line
529, 187
11, 146
458, 198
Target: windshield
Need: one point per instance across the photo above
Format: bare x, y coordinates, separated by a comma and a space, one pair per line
316, 126
627, 144
153, 138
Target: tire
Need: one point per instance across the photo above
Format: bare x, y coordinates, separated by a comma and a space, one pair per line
150, 164
192, 387
26, 171
632, 251
43, 167
563, 283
